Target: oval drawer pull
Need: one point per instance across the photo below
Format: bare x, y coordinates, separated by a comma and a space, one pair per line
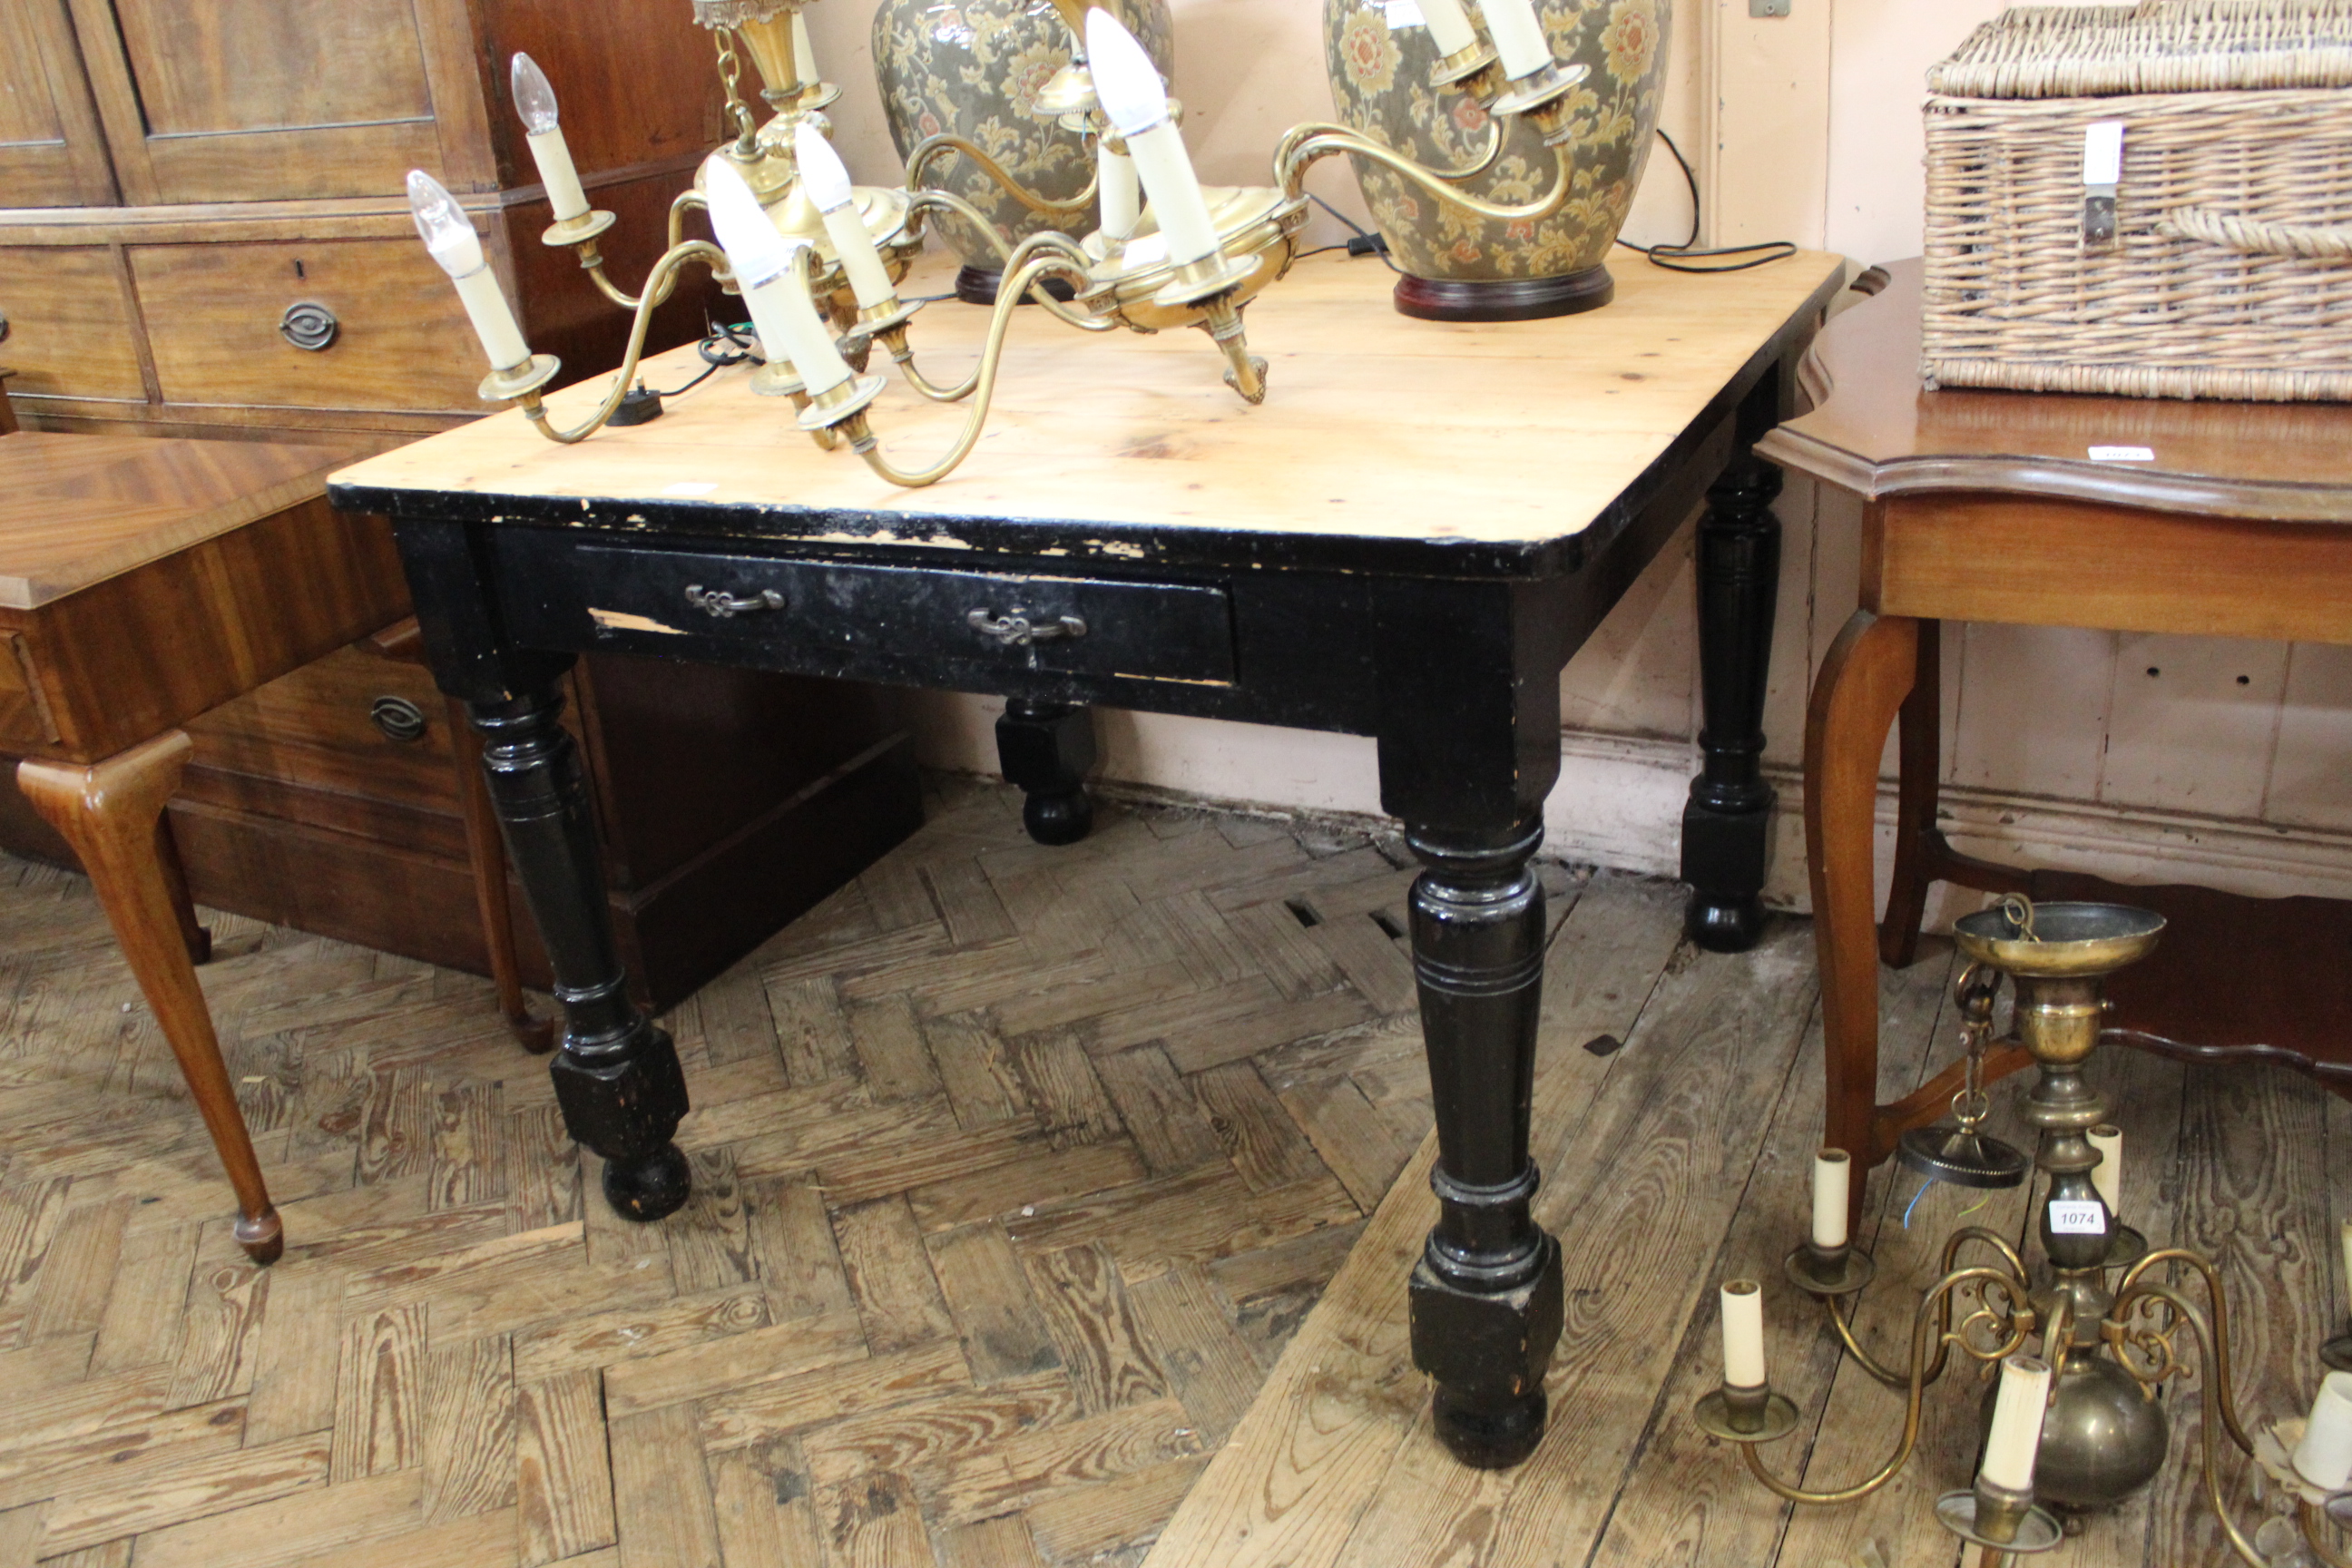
398, 718
309, 326
1017, 630
720, 605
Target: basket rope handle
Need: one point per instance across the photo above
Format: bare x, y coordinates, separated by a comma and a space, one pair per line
2256, 238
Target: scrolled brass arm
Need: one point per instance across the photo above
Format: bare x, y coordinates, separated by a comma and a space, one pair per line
1037, 258
1869, 1363
2131, 1291
1288, 150
2216, 1362
593, 260
657, 286
1923, 1323
1290, 174
931, 148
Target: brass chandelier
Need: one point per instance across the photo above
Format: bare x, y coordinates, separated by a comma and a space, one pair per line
818, 259
2073, 1426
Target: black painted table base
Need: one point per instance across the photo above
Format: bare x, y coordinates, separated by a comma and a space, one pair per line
1447, 650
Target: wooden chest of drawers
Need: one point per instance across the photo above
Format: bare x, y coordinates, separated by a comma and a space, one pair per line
176, 179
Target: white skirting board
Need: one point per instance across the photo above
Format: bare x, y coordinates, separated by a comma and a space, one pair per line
1619, 802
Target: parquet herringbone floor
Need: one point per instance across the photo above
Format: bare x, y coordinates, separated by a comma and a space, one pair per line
1015, 1169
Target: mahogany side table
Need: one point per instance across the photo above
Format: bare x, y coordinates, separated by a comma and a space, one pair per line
142, 582
2215, 519
1406, 541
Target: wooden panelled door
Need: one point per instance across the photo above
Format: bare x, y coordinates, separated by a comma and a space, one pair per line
276, 100
51, 151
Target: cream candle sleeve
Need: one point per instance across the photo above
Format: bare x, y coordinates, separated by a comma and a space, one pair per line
1518, 37
1449, 27
859, 260
2107, 1175
1122, 199
1166, 170
493, 319
2017, 1411
2324, 1458
1832, 1175
1743, 1334
554, 156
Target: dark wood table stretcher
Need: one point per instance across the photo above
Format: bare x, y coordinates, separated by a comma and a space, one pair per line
1989, 506
142, 582
1407, 540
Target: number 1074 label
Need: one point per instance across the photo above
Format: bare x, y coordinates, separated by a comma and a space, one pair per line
2076, 1217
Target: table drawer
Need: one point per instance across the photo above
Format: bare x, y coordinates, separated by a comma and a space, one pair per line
869, 622
379, 327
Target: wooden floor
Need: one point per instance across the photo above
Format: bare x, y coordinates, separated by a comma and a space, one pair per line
1018, 1170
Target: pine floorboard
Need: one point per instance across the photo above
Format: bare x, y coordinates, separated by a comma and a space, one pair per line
1022, 1179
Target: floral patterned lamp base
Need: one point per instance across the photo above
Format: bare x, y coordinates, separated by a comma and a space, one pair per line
1459, 266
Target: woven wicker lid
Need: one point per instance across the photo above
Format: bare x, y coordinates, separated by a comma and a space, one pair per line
2158, 45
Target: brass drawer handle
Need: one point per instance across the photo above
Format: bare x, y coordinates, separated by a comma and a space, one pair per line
720, 605
398, 718
309, 326
1017, 630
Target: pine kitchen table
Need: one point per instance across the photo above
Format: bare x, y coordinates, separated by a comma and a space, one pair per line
1406, 540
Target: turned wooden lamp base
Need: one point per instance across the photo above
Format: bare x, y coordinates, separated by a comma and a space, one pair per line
1505, 299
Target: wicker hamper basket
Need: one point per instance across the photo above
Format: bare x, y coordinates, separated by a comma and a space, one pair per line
2230, 270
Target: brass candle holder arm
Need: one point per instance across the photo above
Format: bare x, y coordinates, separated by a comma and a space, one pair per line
591, 260
923, 201
2213, 1356
1035, 260
1926, 1329
1290, 174
1842, 1318
1288, 152
657, 285
2132, 1289
931, 148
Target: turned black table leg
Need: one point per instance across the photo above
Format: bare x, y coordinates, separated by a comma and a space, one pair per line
1486, 1291
1048, 748
617, 1078
1726, 822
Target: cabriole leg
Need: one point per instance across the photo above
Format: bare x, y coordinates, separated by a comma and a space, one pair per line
1485, 1294
112, 813
617, 1077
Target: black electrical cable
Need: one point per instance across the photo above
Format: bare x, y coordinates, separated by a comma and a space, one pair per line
1366, 243
737, 350
1672, 257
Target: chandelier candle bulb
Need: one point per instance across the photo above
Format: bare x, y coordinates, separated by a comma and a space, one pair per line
1518, 37
767, 269
1832, 1176
2107, 1175
2016, 1437
1122, 199
826, 182
1449, 27
2324, 1458
1743, 1334
535, 100
1127, 84
453, 244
